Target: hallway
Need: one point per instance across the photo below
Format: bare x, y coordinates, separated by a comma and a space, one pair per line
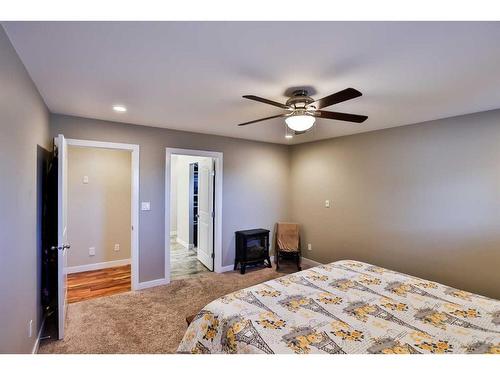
183, 262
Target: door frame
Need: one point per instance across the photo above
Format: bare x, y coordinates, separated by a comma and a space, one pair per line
134, 196
218, 158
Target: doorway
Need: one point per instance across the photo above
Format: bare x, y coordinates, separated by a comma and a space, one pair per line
101, 208
64, 206
99, 222
193, 213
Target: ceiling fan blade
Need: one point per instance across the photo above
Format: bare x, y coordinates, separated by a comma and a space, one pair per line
266, 101
261, 119
340, 116
338, 97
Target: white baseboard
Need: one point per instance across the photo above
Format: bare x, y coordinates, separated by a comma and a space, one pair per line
182, 242
98, 266
305, 261
37, 341
226, 269
310, 262
151, 283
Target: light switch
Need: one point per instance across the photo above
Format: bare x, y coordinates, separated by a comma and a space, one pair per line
327, 204
117, 247
91, 251
145, 206
85, 179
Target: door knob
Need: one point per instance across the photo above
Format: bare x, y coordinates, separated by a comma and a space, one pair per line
63, 247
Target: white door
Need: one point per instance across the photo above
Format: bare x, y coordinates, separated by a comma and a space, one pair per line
206, 212
62, 233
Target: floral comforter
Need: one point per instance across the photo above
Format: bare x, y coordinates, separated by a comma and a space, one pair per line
346, 307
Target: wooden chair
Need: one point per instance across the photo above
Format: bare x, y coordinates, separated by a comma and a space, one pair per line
287, 244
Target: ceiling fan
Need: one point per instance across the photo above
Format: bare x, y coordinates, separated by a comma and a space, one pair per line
302, 110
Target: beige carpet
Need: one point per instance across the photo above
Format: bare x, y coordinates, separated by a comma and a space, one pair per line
151, 320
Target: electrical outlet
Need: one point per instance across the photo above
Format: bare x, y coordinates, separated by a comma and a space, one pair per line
91, 251
30, 328
117, 247
85, 179
309, 247
327, 204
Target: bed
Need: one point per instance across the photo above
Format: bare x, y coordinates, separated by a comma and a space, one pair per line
346, 307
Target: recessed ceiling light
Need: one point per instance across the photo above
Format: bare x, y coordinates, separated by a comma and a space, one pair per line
119, 108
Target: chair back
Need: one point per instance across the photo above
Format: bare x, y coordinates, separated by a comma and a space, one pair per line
287, 237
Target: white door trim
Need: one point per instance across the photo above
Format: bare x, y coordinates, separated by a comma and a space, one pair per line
218, 157
134, 148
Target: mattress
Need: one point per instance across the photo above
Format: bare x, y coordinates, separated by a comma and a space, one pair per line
346, 307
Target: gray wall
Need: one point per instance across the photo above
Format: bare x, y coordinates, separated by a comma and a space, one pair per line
98, 211
255, 183
422, 199
23, 126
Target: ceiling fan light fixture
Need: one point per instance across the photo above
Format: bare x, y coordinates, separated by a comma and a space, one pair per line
301, 110
300, 123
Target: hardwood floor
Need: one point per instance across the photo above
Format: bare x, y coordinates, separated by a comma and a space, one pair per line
92, 284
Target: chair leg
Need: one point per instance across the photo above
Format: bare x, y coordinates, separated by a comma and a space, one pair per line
299, 267
277, 256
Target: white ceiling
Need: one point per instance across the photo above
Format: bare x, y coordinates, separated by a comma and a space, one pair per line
191, 75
